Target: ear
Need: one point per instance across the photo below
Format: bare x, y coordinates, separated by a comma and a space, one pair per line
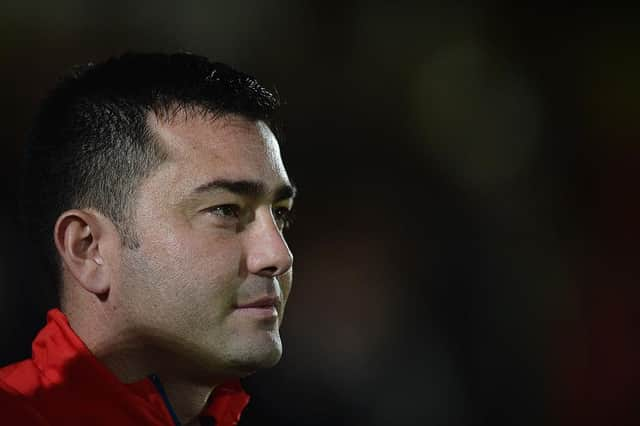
83, 238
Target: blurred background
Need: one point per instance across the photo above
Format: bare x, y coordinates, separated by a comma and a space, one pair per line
467, 235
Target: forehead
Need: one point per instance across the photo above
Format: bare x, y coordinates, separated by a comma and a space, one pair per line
202, 147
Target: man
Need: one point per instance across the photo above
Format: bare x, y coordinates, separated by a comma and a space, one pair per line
161, 181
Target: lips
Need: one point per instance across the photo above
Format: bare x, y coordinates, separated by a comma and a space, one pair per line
262, 309
263, 302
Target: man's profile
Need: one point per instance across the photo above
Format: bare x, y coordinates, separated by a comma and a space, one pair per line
155, 183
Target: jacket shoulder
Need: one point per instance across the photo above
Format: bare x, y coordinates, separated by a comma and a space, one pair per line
16, 410
22, 377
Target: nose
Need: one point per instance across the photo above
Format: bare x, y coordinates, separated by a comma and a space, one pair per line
267, 251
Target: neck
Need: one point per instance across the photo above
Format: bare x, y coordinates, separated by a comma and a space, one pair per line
130, 361
184, 398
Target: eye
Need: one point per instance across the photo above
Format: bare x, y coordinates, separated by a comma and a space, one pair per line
283, 217
225, 211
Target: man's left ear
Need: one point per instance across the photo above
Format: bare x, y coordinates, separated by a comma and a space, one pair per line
85, 240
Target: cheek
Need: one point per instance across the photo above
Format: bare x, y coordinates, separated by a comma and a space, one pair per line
190, 266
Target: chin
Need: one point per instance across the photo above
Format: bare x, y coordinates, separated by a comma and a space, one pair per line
237, 354
256, 356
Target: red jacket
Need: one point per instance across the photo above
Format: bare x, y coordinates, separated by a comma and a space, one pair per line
64, 384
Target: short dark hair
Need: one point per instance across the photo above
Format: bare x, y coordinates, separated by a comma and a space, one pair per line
90, 145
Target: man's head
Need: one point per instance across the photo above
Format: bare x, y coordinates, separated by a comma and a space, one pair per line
162, 182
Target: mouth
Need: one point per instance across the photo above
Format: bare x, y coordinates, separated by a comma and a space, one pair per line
264, 307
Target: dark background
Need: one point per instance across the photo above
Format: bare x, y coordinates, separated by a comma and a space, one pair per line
467, 234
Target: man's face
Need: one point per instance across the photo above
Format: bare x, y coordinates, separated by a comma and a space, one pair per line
210, 279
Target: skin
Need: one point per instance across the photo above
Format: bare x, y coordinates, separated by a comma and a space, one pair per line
173, 306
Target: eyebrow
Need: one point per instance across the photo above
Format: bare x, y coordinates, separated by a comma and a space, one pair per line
247, 188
